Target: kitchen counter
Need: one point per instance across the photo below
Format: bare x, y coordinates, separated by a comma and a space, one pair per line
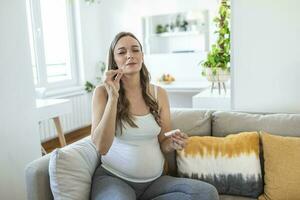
181, 92
185, 86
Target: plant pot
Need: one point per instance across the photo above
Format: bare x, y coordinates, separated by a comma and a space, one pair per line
221, 75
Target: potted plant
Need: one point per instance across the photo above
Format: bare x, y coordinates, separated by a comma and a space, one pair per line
216, 66
89, 87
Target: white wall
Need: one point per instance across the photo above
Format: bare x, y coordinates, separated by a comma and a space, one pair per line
89, 33
19, 139
101, 22
183, 66
266, 55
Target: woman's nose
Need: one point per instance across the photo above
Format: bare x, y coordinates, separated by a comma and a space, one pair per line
129, 56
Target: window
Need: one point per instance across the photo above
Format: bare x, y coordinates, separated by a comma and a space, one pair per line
52, 41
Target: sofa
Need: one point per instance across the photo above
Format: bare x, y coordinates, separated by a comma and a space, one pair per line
194, 122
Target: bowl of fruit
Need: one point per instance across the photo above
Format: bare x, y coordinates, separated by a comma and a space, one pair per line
166, 79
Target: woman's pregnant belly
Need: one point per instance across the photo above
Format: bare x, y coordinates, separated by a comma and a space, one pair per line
138, 160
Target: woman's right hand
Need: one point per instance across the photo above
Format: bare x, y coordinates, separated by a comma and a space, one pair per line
112, 82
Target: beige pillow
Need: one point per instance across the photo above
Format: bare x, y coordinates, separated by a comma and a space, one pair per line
71, 169
282, 167
229, 163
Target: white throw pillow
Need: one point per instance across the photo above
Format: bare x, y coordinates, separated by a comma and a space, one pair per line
71, 169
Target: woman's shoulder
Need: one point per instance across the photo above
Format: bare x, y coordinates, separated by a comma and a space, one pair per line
100, 91
157, 87
160, 92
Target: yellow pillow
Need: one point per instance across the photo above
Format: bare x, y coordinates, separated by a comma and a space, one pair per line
229, 163
282, 167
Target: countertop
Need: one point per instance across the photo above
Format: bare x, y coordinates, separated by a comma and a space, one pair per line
184, 86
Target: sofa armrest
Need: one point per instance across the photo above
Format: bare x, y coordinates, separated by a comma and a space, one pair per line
37, 172
37, 179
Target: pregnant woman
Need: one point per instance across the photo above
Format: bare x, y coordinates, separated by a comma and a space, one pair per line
129, 119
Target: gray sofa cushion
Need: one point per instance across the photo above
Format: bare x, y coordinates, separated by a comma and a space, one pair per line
191, 121
37, 179
229, 197
224, 123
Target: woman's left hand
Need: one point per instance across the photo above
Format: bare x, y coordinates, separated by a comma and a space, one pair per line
179, 140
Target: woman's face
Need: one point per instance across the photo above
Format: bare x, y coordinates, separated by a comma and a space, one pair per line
128, 55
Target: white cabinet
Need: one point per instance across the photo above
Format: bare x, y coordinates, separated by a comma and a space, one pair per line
176, 32
212, 101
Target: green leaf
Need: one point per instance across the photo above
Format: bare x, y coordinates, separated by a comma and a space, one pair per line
89, 86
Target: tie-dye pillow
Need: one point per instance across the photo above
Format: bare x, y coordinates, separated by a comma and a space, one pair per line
229, 163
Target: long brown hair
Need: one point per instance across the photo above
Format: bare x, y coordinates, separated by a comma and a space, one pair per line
123, 114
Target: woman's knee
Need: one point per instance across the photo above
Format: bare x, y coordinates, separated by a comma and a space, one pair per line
202, 190
212, 192
110, 188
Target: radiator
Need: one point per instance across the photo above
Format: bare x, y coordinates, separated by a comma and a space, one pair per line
79, 117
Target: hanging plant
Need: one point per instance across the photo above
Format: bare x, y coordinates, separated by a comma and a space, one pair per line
218, 58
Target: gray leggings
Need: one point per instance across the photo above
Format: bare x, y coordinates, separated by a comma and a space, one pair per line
106, 186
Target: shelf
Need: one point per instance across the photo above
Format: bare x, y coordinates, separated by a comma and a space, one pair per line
175, 39
174, 34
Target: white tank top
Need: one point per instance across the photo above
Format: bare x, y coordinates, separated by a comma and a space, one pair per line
135, 155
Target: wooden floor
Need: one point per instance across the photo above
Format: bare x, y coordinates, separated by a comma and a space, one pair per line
50, 145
